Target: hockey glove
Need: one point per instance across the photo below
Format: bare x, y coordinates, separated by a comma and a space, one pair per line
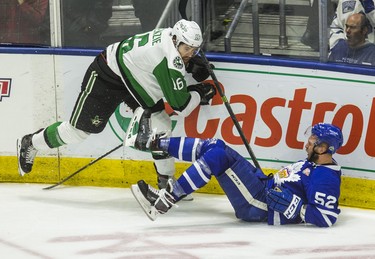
284, 201
198, 68
205, 90
368, 5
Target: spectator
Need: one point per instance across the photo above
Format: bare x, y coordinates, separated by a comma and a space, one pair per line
149, 12
345, 8
356, 49
311, 36
84, 21
21, 21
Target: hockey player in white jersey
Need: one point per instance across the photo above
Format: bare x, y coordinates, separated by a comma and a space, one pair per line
140, 71
304, 192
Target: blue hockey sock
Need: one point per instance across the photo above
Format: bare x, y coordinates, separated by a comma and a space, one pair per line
183, 148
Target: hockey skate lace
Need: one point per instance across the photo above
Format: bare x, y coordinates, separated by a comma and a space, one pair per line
30, 154
155, 134
167, 198
153, 190
152, 137
152, 194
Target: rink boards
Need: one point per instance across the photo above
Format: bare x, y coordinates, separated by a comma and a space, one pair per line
274, 103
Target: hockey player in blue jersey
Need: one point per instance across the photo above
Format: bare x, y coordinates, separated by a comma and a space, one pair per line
306, 191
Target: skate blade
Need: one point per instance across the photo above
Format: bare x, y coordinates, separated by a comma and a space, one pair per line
149, 210
188, 197
22, 173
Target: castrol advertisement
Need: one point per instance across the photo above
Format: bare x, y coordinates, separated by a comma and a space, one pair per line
274, 106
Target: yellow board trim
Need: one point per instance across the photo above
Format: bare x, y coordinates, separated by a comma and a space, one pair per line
355, 192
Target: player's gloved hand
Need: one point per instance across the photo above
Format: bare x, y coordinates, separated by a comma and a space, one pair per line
368, 5
206, 91
284, 201
198, 68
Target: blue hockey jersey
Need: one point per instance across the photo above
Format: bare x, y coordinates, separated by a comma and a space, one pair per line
319, 188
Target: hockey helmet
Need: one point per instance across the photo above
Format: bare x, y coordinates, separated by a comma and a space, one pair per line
329, 134
187, 32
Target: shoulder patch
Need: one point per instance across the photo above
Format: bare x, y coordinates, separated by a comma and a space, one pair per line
348, 6
307, 171
178, 63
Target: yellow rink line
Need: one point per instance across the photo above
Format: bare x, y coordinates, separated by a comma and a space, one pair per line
355, 192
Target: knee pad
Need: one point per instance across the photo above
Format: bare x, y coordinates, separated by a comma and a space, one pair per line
216, 160
161, 123
211, 143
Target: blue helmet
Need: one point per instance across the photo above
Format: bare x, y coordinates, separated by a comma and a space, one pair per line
329, 134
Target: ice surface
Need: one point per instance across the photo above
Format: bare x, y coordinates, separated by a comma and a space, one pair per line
93, 222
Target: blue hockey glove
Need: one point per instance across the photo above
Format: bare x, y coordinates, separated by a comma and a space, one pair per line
205, 90
368, 5
284, 201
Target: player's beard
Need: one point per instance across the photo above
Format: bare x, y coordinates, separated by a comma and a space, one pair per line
186, 60
313, 157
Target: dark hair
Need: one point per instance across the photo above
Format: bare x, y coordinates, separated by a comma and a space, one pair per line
365, 23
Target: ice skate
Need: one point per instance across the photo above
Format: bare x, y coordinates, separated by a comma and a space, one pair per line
163, 181
25, 154
139, 130
153, 201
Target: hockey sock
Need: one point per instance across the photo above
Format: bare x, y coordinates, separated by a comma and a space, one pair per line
182, 148
52, 137
195, 177
178, 192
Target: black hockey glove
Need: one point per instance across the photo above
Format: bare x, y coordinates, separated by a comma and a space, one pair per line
284, 201
198, 68
205, 90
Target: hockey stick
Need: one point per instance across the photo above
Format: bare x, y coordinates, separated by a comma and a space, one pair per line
89, 164
229, 108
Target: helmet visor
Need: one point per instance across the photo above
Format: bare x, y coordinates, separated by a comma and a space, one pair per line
193, 51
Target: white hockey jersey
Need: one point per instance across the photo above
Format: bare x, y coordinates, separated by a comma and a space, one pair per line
152, 69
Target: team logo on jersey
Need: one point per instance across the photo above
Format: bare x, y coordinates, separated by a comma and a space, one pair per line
289, 173
5, 85
96, 121
178, 63
348, 6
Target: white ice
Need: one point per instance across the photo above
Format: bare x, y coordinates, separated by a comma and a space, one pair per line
94, 222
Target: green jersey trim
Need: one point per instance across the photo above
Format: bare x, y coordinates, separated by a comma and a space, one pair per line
136, 89
173, 85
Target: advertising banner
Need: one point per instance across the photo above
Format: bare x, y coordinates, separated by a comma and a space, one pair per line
274, 106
